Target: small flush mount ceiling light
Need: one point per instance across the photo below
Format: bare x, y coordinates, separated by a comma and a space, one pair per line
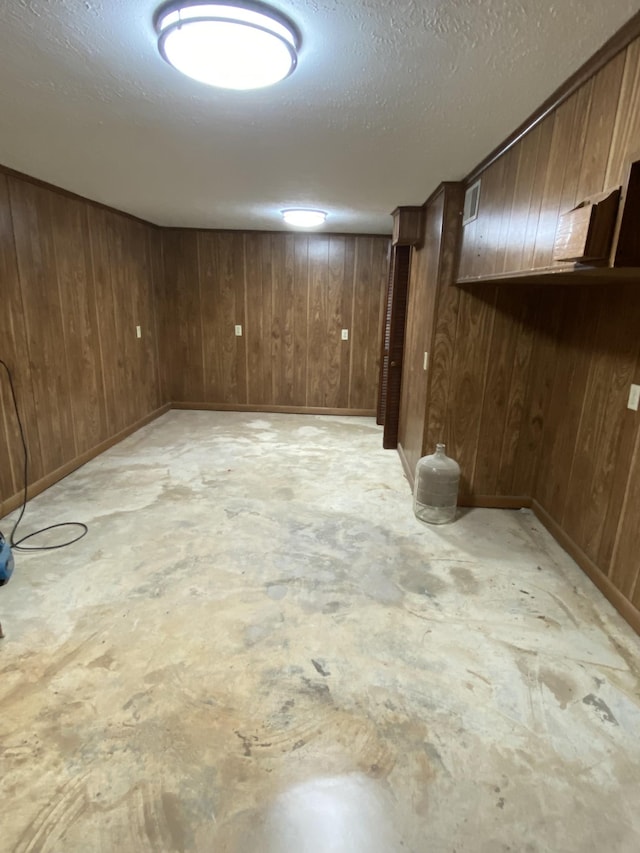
230, 45
303, 218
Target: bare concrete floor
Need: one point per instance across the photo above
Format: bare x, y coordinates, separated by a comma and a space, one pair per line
258, 649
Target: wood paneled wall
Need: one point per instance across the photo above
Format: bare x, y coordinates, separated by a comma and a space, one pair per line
292, 294
432, 271
580, 149
75, 280
527, 384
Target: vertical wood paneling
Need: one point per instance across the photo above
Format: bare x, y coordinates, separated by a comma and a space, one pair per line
301, 354
15, 353
522, 201
35, 252
221, 274
561, 161
625, 564
316, 365
423, 291
371, 258
182, 338
545, 130
600, 128
75, 280
258, 322
550, 208
283, 319
293, 294
333, 343
70, 231
474, 329
508, 482
626, 134
498, 385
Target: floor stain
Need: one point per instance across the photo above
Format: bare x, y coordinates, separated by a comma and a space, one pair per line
603, 710
562, 689
320, 667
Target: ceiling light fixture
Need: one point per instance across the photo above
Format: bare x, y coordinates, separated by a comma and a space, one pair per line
230, 45
304, 218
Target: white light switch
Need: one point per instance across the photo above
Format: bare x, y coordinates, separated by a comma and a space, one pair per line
345, 334
634, 398
425, 361
138, 332
238, 331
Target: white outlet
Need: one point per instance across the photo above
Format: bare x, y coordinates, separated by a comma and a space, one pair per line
238, 331
138, 332
425, 361
634, 398
345, 334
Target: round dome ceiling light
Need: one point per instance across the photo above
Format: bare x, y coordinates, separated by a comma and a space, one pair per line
303, 218
233, 46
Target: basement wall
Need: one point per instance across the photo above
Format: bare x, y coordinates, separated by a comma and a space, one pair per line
292, 294
528, 383
77, 278
75, 281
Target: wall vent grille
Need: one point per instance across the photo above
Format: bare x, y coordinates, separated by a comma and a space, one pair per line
471, 203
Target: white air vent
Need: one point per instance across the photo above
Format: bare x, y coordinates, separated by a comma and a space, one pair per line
471, 202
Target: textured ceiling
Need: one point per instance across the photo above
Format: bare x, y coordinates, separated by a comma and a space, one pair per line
389, 98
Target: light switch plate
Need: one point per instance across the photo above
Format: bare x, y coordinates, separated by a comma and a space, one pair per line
238, 331
634, 398
138, 332
345, 334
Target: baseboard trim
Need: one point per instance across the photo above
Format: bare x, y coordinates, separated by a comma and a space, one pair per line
283, 410
624, 607
407, 468
63, 471
495, 501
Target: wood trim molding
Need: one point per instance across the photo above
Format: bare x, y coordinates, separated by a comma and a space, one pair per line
495, 501
284, 410
45, 482
194, 230
409, 474
624, 607
618, 42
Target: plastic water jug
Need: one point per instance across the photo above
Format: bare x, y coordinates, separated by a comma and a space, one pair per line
435, 492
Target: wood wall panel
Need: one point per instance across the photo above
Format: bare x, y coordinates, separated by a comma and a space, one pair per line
301, 354
70, 233
371, 265
13, 351
529, 384
551, 205
221, 276
626, 134
423, 288
181, 342
432, 318
258, 320
293, 294
600, 123
33, 234
75, 280
565, 158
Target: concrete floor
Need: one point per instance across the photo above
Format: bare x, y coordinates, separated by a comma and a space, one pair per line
258, 649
